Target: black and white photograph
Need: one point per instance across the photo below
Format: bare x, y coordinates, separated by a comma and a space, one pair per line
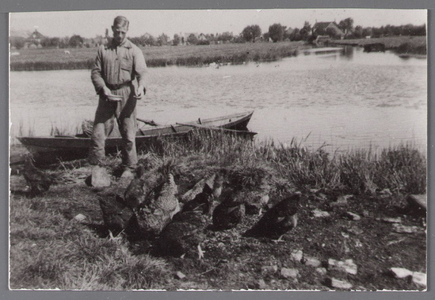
218, 150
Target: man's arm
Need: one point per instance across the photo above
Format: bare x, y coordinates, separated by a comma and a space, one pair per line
140, 69
96, 74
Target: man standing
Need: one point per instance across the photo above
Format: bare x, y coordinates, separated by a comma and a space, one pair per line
117, 65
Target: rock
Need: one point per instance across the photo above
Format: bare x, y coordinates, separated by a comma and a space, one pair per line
317, 213
99, 177
261, 284
341, 200
269, 269
80, 218
353, 216
399, 228
391, 220
340, 284
312, 261
289, 273
180, 275
321, 271
348, 265
419, 278
400, 272
419, 201
355, 230
297, 255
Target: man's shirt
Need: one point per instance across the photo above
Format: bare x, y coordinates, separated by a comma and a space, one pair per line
116, 65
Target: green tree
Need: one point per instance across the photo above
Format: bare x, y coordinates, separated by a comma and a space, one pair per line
250, 33
192, 39
17, 42
276, 32
346, 25
75, 41
305, 32
176, 40
162, 39
358, 32
225, 37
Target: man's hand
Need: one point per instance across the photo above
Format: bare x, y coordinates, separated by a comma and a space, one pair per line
140, 91
106, 92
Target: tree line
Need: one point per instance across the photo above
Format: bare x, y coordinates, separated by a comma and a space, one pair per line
252, 33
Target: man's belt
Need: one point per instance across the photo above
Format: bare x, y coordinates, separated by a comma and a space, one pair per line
118, 86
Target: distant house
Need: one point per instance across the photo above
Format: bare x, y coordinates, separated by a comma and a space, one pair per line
34, 40
330, 29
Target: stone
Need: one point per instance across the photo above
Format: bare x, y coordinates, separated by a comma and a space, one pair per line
347, 266
179, 275
289, 273
355, 230
261, 284
340, 284
99, 177
418, 201
297, 255
321, 271
391, 220
312, 261
269, 269
353, 216
419, 278
317, 213
341, 200
401, 272
80, 218
399, 228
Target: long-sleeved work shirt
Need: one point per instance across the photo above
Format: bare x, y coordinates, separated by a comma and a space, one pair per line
117, 65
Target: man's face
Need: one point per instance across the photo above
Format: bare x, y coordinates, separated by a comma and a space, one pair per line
119, 33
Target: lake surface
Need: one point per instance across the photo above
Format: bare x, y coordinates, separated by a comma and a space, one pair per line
347, 100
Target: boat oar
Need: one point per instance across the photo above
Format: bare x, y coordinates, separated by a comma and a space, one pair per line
218, 128
148, 122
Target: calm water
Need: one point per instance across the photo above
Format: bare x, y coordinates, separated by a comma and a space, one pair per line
356, 100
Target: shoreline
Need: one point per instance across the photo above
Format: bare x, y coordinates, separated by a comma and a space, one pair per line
205, 55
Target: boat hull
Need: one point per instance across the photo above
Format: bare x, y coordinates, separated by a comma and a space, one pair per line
51, 149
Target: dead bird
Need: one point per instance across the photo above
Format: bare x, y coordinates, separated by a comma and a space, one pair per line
38, 180
278, 220
136, 191
116, 214
230, 211
258, 198
157, 210
185, 233
204, 200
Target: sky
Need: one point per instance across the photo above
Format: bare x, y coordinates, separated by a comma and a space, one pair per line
89, 24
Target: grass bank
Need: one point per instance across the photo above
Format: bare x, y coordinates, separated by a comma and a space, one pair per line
399, 44
50, 249
83, 58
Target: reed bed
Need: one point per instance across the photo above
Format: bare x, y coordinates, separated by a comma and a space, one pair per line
401, 169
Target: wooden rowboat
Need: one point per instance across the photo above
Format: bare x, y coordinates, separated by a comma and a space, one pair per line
49, 149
